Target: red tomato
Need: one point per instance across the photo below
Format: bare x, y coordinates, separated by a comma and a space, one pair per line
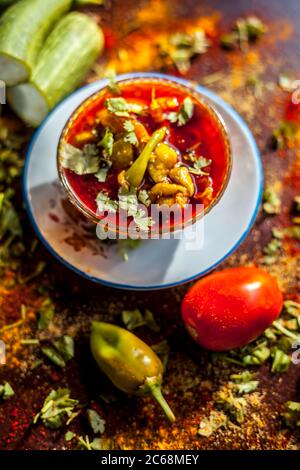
229, 308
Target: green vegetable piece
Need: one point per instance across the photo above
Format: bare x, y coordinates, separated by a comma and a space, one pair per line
96, 422
130, 364
122, 154
6, 391
281, 361
136, 172
57, 408
291, 414
54, 356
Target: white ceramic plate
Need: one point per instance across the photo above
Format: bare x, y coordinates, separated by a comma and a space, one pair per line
155, 264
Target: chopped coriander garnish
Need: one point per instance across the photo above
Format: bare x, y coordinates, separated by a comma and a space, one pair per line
53, 355
144, 198
65, 346
292, 308
244, 31
198, 166
285, 132
122, 108
291, 415
6, 391
46, 313
272, 203
272, 250
105, 204
69, 436
143, 222
112, 83
107, 142
60, 351
244, 382
57, 408
130, 133
233, 406
180, 48
96, 422
281, 361
133, 319
215, 421
184, 114
128, 201
117, 106
82, 162
102, 173
150, 321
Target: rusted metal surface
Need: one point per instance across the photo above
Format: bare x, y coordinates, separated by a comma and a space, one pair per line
136, 423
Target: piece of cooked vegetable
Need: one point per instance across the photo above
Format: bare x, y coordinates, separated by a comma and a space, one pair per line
24, 27
136, 172
67, 56
230, 308
131, 364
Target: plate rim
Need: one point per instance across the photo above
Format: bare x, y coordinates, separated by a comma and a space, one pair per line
116, 285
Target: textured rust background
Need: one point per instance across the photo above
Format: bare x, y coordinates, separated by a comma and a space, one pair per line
136, 423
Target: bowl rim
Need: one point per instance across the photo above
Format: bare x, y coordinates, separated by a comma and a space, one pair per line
189, 87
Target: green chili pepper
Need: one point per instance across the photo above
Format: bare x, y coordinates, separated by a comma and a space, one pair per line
135, 174
131, 365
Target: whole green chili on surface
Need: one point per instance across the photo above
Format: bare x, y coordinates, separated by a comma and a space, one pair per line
131, 365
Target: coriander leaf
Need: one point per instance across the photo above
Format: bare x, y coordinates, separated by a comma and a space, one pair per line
144, 198
6, 391
292, 308
215, 421
122, 108
101, 175
46, 314
107, 142
142, 221
128, 201
200, 163
117, 106
65, 346
104, 203
96, 422
82, 162
233, 406
53, 355
69, 436
291, 414
112, 83
180, 48
285, 132
272, 250
150, 321
130, 134
244, 382
281, 361
133, 319
272, 203
57, 408
184, 114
